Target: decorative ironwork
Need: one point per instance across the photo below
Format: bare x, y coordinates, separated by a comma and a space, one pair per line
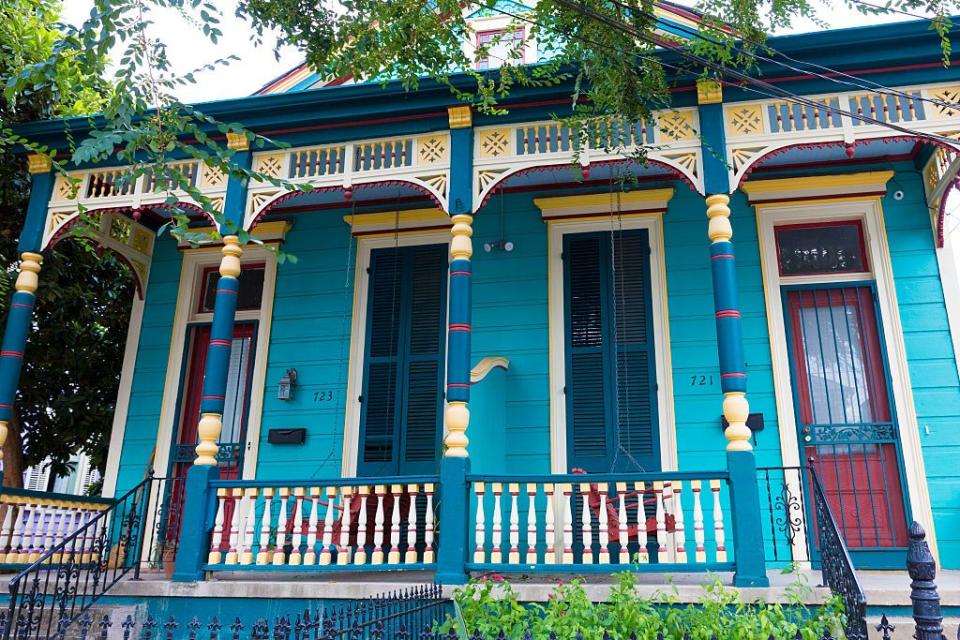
62, 583
784, 513
853, 433
923, 590
229, 453
835, 564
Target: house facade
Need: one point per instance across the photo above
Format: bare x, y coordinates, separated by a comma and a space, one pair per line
544, 356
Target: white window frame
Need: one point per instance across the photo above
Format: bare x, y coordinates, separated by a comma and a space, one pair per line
358, 327
868, 211
557, 229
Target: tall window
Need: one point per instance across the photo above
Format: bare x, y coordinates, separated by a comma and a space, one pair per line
502, 46
401, 412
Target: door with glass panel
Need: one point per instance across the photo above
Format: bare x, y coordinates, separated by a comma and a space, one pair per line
841, 387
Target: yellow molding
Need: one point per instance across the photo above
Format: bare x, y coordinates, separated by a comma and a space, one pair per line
397, 221
709, 91
849, 184
460, 117
237, 141
647, 200
486, 365
39, 163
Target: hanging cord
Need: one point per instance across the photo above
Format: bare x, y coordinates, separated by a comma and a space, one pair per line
616, 290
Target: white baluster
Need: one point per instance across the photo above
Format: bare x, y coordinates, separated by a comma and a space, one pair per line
479, 553
249, 525
30, 552
6, 529
428, 526
377, 557
550, 555
51, 538
718, 533
310, 556
394, 556
263, 552
622, 525
585, 527
62, 532
411, 555
328, 518
496, 553
360, 557
603, 522
643, 555
216, 556
278, 556
567, 522
663, 554
16, 535
233, 526
532, 522
296, 558
700, 555
343, 551
680, 532
514, 556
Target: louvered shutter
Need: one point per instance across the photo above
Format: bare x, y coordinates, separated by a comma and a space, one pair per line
610, 385
403, 371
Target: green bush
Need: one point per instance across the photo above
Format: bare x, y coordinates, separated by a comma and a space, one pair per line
491, 606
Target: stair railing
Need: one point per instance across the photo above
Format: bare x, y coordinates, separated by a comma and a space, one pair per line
67, 578
835, 563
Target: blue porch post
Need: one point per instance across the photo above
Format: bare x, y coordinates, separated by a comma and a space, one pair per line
455, 465
20, 313
741, 464
199, 503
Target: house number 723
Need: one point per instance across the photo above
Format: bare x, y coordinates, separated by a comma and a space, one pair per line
323, 396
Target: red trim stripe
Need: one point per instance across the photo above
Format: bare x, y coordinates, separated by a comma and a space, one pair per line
728, 313
722, 256
20, 305
211, 397
461, 273
457, 385
230, 291
733, 375
459, 326
11, 354
6, 406
219, 342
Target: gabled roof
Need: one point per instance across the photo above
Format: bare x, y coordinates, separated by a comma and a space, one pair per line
671, 18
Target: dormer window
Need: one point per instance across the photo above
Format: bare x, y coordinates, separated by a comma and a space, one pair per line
500, 46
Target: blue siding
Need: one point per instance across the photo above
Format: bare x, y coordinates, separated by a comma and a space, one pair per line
146, 395
933, 371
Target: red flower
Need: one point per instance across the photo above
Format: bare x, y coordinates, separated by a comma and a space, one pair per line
496, 577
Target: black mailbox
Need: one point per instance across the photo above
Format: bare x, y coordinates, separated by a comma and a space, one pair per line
287, 436
754, 422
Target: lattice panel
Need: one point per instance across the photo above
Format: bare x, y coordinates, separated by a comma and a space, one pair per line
270, 165
677, 125
494, 143
949, 95
745, 121
431, 149
212, 178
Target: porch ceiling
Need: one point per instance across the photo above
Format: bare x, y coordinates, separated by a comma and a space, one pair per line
815, 155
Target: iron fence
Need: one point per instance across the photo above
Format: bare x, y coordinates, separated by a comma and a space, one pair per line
784, 515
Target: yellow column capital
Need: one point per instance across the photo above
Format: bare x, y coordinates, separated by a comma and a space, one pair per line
230, 263
456, 441
709, 91
208, 431
237, 141
29, 277
3, 436
736, 410
461, 247
460, 117
39, 163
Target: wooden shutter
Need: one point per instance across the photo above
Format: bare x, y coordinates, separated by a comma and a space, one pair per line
611, 378
403, 370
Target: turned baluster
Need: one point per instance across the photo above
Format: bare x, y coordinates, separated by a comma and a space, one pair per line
680, 532
216, 540
296, 558
496, 553
279, 557
16, 534
532, 523
310, 555
586, 527
377, 557
622, 527
428, 550
603, 521
513, 557
659, 497
360, 557
233, 526
326, 548
343, 550
479, 553
643, 555
550, 555
263, 552
718, 533
394, 556
6, 529
411, 555
700, 555
567, 522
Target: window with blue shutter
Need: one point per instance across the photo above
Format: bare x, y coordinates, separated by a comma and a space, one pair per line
403, 372
611, 390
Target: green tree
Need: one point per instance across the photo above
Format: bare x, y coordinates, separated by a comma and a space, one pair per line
72, 364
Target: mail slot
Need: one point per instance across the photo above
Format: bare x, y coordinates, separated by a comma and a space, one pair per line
287, 436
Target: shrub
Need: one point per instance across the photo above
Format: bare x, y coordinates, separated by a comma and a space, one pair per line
490, 607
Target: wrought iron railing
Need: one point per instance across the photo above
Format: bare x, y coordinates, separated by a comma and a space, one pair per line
784, 515
835, 563
411, 614
64, 581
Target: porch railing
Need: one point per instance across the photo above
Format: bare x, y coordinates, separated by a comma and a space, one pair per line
601, 523
389, 523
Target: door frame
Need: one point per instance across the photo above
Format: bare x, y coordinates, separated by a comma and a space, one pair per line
556, 229
358, 332
867, 209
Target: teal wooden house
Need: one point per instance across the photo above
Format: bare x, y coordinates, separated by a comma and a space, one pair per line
495, 354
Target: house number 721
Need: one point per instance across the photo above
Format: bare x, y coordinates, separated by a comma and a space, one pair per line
701, 381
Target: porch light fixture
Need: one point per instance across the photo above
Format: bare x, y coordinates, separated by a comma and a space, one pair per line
287, 382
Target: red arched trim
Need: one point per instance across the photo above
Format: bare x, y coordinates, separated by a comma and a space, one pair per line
140, 286
942, 211
673, 173
366, 185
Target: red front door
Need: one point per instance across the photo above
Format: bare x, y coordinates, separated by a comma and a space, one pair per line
233, 434
845, 417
